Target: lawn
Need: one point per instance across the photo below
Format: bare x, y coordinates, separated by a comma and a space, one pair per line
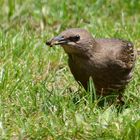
39, 98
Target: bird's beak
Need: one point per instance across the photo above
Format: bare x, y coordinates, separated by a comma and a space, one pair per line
56, 41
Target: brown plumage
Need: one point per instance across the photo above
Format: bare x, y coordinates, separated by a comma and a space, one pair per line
109, 62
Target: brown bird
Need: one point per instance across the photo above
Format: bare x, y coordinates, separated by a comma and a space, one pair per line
109, 62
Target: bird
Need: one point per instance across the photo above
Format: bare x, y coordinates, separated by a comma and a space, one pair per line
108, 62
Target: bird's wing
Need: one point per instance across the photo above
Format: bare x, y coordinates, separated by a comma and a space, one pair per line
127, 54
123, 50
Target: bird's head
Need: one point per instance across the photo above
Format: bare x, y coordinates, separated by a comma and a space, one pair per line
73, 41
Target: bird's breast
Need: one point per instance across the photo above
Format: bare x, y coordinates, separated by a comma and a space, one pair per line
108, 77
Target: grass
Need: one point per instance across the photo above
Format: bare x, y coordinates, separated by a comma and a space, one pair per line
39, 98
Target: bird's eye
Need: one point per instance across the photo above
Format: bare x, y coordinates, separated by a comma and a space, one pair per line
74, 38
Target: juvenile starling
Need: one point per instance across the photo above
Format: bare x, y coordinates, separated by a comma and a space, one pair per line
109, 62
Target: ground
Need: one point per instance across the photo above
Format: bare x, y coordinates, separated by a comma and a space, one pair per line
39, 98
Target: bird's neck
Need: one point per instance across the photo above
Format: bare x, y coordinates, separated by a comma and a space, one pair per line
79, 55
84, 51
